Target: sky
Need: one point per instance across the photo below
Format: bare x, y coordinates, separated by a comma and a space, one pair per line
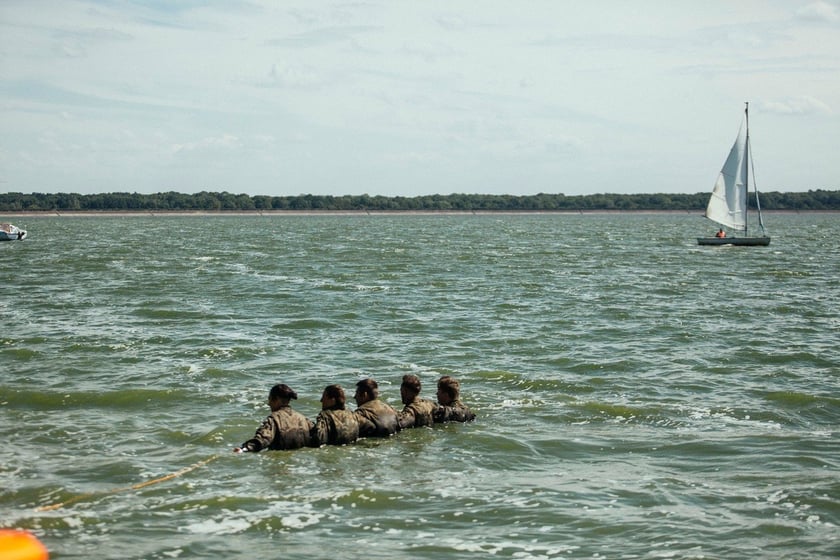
412, 98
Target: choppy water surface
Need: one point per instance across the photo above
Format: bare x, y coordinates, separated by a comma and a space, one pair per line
638, 396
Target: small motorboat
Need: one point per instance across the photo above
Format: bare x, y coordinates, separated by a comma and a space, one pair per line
8, 232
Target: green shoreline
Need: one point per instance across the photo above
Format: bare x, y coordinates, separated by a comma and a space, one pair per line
183, 213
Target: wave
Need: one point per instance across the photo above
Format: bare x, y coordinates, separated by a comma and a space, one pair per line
123, 399
304, 324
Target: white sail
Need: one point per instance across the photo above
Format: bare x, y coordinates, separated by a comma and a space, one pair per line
728, 204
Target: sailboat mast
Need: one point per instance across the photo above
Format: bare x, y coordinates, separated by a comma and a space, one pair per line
747, 171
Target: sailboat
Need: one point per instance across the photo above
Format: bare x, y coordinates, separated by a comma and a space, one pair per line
728, 204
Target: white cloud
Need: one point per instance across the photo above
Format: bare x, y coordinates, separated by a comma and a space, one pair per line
293, 76
803, 105
211, 144
819, 11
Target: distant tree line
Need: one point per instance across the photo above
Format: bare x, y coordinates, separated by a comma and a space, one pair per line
224, 201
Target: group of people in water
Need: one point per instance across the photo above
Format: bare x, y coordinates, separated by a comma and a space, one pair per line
285, 428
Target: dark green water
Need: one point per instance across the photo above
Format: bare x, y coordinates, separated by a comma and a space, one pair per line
638, 396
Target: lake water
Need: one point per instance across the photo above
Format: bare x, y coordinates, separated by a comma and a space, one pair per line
638, 396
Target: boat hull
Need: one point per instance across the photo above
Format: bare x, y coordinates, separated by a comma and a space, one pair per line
739, 241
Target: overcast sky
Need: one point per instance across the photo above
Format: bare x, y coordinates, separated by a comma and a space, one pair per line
406, 98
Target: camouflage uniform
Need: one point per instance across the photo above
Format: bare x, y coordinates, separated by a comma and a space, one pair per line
335, 427
419, 412
376, 419
283, 429
455, 412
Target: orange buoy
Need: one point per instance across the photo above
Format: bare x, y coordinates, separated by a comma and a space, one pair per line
16, 544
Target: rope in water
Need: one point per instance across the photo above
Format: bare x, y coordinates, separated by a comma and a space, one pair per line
137, 486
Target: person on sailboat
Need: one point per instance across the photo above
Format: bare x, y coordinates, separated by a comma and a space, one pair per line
720, 233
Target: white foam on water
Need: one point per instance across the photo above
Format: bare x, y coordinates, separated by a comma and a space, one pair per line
224, 526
